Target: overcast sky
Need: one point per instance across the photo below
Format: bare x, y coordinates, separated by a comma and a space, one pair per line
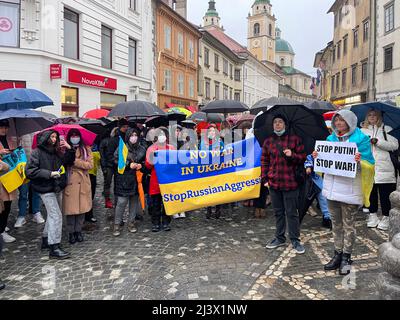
304, 23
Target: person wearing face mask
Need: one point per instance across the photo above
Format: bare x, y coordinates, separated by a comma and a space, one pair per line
44, 170
126, 184
77, 196
159, 219
282, 154
212, 142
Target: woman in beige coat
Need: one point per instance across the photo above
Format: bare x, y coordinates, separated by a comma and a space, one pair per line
77, 196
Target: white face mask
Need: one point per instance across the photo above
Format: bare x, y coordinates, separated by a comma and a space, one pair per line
133, 139
75, 140
162, 139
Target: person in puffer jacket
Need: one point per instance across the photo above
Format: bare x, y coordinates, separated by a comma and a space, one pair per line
385, 174
344, 194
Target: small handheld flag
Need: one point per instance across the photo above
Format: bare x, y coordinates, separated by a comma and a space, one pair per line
122, 155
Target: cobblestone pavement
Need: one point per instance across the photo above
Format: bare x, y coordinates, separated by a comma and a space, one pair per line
199, 259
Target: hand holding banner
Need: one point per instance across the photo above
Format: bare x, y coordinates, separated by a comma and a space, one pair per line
15, 177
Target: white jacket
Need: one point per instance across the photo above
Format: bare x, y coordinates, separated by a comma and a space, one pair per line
384, 170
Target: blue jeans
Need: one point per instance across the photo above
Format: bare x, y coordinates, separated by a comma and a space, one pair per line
23, 200
323, 204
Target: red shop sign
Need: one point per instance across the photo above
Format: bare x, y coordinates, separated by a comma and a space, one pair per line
92, 80
55, 71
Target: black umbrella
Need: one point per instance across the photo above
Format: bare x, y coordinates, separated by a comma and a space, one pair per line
225, 106
157, 121
206, 117
25, 121
96, 126
188, 124
176, 116
321, 107
303, 122
135, 109
265, 104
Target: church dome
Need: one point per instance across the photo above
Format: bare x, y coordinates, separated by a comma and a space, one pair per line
281, 44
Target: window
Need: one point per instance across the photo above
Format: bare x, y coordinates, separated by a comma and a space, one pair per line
69, 101
208, 89
225, 92
132, 5
256, 29
338, 82
106, 47
366, 31
344, 80
237, 75
354, 75
339, 48
334, 54
110, 100
9, 28
191, 88
167, 80
216, 62
270, 30
230, 93
191, 50
71, 34
345, 45
181, 85
231, 70
180, 44
282, 61
389, 17
364, 71
333, 84
132, 56
237, 96
225, 66
217, 91
206, 57
388, 56
355, 36
167, 37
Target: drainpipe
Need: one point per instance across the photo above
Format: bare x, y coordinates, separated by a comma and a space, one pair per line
373, 51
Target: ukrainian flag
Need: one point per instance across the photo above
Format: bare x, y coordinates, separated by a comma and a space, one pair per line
122, 155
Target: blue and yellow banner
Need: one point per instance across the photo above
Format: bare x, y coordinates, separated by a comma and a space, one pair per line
15, 177
122, 156
192, 180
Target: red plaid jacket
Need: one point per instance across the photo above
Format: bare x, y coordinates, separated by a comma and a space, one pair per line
278, 170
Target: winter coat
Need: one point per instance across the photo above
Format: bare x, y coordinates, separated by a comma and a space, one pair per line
112, 145
45, 159
77, 196
4, 195
384, 169
125, 184
343, 189
154, 188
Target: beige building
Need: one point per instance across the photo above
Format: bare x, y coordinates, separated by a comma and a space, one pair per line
352, 62
323, 62
388, 51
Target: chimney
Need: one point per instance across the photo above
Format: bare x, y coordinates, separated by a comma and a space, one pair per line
181, 7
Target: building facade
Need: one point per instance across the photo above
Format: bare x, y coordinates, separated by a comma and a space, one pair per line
352, 61
323, 62
82, 54
388, 51
177, 57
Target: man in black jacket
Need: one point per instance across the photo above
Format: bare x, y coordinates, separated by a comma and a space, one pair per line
110, 168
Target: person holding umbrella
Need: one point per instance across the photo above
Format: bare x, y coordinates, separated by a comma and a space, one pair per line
344, 194
126, 184
282, 154
46, 171
385, 174
77, 196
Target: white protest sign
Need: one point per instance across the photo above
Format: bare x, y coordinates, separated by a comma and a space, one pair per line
336, 158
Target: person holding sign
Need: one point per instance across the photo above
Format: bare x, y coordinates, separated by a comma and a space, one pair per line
45, 169
345, 194
282, 154
385, 174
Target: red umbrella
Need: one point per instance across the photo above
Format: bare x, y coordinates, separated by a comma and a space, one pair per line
96, 114
88, 137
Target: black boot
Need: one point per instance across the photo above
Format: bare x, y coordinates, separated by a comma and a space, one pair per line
57, 253
78, 236
327, 223
334, 264
45, 244
72, 239
2, 285
345, 265
208, 214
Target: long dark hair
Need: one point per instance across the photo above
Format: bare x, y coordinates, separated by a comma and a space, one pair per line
81, 146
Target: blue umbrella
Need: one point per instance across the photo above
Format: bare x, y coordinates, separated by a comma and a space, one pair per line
24, 122
23, 99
